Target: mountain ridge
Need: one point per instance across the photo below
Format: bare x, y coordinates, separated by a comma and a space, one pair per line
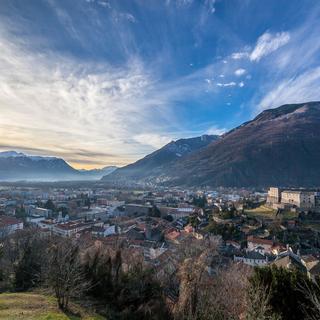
280, 146
154, 163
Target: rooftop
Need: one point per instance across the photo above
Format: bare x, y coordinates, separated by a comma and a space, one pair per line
8, 221
260, 240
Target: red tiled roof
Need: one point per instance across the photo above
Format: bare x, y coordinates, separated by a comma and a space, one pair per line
260, 240
173, 235
8, 221
72, 225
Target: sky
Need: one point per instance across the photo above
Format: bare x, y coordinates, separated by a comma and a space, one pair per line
105, 82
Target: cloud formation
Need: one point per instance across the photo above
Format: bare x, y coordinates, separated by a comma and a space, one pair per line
214, 130
107, 82
59, 103
240, 72
52, 104
228, 84
303, 88
266, 44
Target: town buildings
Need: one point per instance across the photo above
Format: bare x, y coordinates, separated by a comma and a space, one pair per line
301, 199
161, 224
9, 225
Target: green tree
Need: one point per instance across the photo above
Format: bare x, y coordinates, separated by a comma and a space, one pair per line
50, 205
200, 201
20, 212
286, 298
155, 212
87, 203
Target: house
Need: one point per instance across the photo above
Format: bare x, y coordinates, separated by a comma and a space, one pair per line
289, 260
35, 219
157, 251
70, 228
135, 234
137, 209
173, 236
264, 245
234, 244
189, 228
177, 213
9, 225
153, 233
252, 258
46, 224
103, 231
37, 211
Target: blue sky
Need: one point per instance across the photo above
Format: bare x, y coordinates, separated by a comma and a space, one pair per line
101, 82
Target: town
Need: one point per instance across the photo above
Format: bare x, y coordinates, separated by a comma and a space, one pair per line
275, 226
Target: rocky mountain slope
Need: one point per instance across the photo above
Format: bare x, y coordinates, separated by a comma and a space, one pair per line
153, 166
280, 146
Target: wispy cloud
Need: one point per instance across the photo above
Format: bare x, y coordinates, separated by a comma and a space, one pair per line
289, 77
210, 4
228, 84
216, 130
52, 102
154, 140
268, 43
96, 107
239, 55
303, 88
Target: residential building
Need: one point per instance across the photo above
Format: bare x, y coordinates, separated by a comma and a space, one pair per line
252, 258
263, 246
33, 210
103, 231
289, 260
9, 225
70, 228
137, 209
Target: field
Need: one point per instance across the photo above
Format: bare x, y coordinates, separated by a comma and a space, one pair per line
269, 213
31, 306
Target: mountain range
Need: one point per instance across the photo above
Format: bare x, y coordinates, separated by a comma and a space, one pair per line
280, 147
152, 168
18, 166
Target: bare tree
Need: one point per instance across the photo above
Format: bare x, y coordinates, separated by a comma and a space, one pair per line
65, 274
312, 293
208, 290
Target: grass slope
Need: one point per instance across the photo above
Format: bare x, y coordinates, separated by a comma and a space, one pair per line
32, 306
266, 212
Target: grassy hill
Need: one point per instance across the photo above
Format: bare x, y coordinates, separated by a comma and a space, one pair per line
32, 306
269, 213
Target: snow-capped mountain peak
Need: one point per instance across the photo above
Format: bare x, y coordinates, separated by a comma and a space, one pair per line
11, 154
